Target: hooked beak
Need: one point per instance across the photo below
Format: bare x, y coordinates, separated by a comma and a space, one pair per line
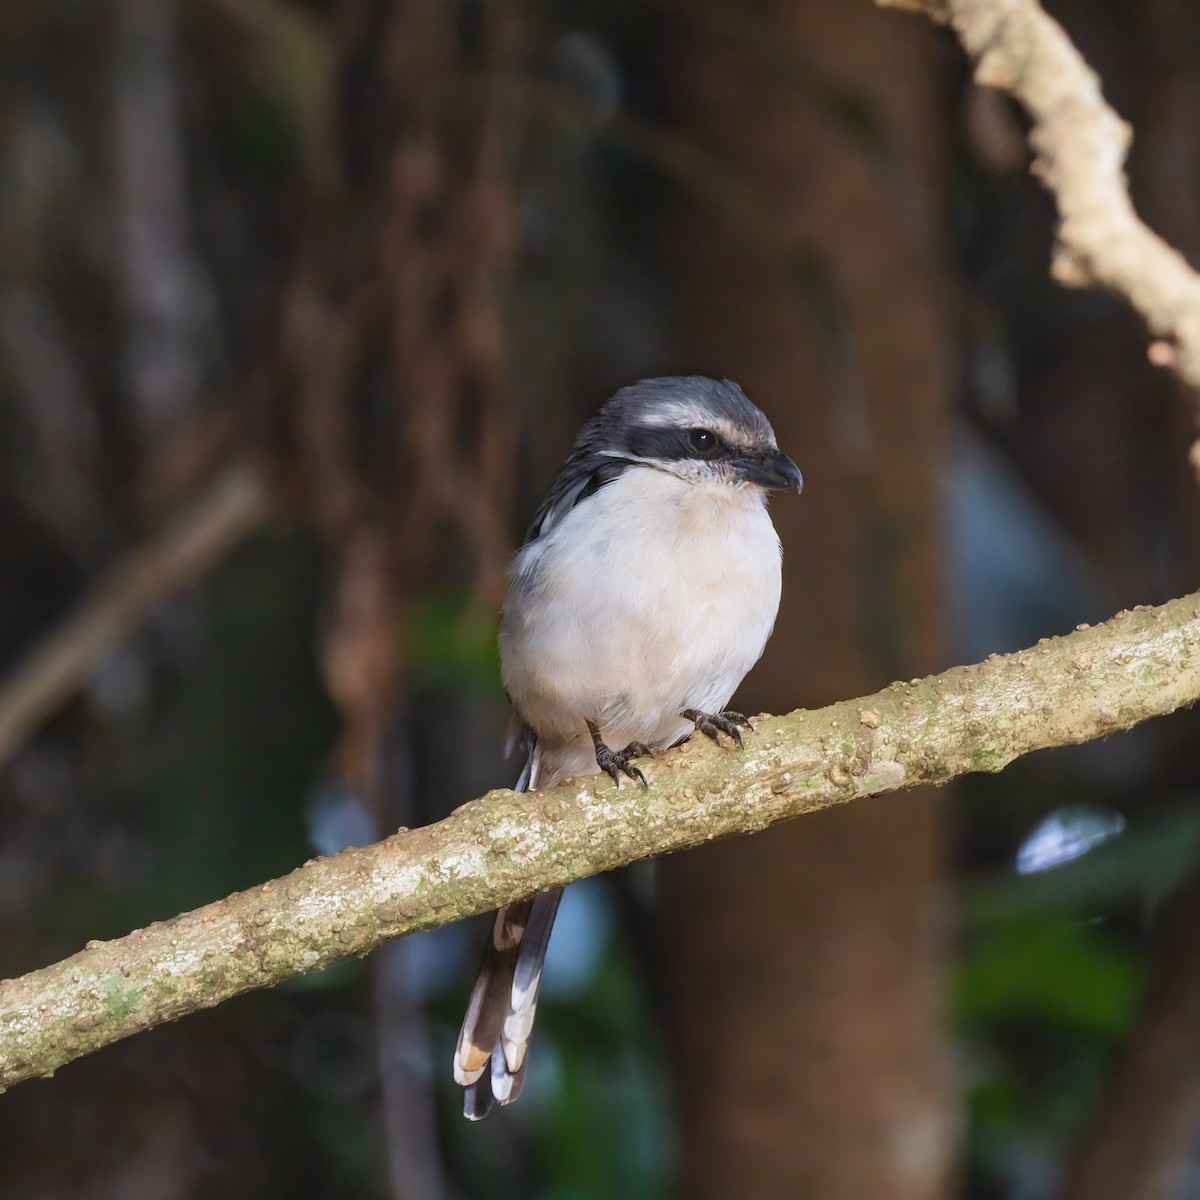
771, 469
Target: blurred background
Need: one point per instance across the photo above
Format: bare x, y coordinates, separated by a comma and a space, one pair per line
301, 305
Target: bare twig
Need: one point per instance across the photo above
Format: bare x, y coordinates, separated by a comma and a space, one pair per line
1093, 682
1080, 145
233, 506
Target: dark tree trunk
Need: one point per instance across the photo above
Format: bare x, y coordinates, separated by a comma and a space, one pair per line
806, 966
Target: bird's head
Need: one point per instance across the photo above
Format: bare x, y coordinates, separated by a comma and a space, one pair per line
699, 429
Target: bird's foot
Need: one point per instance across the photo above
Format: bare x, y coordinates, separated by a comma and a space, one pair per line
615, 762
714, 724
638, 750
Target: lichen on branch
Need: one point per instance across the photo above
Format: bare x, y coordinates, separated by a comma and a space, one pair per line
507, 845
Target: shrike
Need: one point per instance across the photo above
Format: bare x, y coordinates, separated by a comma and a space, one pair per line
647, 587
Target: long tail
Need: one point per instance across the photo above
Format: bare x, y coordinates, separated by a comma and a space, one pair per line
493, 1044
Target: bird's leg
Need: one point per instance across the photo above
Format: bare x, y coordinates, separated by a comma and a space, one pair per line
612, 762
712, 724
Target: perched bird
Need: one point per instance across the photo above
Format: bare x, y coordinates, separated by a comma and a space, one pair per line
647, 587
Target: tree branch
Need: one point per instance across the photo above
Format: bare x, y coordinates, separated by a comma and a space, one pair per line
1080, 145
61, 663
1063, 691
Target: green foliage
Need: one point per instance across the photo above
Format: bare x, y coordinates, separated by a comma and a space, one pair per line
1050, 971
451, 642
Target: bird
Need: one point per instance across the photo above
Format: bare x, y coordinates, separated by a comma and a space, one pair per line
646, 588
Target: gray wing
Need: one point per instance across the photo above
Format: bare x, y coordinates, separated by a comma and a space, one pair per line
586, 472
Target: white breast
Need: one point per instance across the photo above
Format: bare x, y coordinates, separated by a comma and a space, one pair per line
652, 596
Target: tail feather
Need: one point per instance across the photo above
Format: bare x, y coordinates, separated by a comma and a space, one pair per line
492, 1045
490, 1059
506, 1083
496, 1084
478, 1098
527, 979
490, 997
527, 976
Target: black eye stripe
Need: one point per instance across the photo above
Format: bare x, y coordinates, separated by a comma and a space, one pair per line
667, 443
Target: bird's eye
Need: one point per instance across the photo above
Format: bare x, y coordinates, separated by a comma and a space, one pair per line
703, 441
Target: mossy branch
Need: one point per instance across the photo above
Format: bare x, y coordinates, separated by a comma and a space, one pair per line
1095, 681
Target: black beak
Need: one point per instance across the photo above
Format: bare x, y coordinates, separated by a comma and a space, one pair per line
770, 469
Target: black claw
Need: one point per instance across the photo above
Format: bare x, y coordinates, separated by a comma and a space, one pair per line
713, 724
638, 750
612, 761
